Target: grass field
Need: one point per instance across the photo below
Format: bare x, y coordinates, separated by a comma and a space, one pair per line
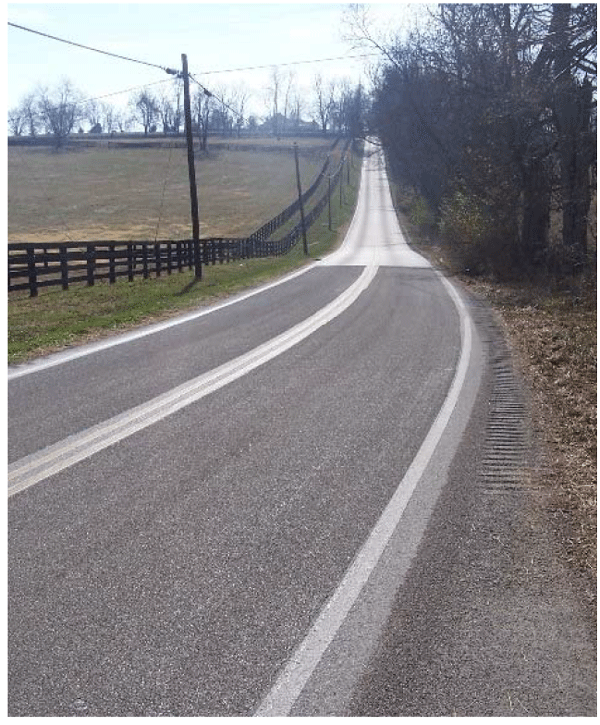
111, 193
58, 318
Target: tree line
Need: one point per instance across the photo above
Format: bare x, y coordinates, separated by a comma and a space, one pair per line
333, 106
489, 112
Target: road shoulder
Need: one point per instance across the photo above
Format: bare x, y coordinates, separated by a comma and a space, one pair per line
491, 620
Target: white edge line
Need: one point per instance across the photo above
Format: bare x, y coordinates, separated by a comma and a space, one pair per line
28, 471
293, 678
61, 357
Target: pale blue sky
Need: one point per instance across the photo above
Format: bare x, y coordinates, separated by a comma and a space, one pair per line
214, 36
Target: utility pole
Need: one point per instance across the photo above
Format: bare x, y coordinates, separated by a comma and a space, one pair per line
187, 110
300, 199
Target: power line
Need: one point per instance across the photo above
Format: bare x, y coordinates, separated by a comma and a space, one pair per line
125, 90
95, 50
173, 72
178, 73
295, 62
210, 94
271, 65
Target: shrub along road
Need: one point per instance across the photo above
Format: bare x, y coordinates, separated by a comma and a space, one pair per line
275, 505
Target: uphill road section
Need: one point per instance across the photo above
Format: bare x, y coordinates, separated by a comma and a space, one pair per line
272, 508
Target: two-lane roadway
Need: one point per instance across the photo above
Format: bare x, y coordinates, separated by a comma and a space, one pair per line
212, 516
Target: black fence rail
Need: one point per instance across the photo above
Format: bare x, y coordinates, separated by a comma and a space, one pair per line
34, 265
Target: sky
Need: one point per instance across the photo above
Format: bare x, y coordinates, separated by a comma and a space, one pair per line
215, 37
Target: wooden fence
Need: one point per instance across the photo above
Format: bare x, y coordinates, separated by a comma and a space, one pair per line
32, 265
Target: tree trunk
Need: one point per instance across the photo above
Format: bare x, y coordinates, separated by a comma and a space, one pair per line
573, 109
537, 193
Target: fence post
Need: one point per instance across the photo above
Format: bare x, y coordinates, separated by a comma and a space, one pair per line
33, 289
145, 259
112, 277
329, 201
130, 250
91, 258
178, 247
64, 267
341, 181
157, 258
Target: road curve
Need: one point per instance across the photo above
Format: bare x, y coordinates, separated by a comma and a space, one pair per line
240, 482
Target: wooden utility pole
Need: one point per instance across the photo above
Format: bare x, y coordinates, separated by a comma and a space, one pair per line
187, 111
300, 199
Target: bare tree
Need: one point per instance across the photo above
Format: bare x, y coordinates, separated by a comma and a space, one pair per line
60, 110
145, 109
122, 120
274, 90
290, 80
202, 104
177, 106
297, 105
224, 100
16, 121
109, 117
238, 99
169, 107
29, 111
93, 115
165, 110
324, 101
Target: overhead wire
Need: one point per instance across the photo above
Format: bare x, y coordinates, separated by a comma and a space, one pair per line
213, 95
295, 62
173, 71
95, 50
176, 73
127, 90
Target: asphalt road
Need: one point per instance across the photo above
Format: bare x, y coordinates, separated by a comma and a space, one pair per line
222, 516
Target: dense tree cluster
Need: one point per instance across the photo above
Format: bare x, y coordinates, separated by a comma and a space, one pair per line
490, 113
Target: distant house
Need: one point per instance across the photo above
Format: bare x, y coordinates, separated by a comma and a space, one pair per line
278, 125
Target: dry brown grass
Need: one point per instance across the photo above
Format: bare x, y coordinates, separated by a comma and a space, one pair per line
99, 193
555, 344
553, 336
